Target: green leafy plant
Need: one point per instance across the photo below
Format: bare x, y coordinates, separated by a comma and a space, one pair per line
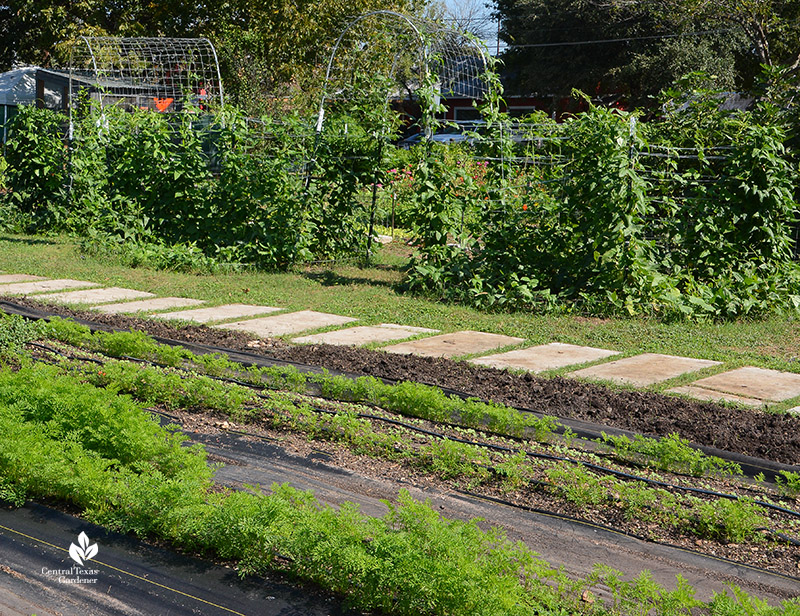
15, 331
789, 484
670, 453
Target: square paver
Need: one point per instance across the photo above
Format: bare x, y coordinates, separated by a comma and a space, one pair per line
95, 296
26, 288
709, 395
146, 305
544, 357
6, 278
453, 345
645, 369
795, 410
757, 383
357, 336
289, 323
216, 313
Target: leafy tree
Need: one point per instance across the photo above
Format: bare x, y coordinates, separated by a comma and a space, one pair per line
551, 49
264, 47
30, 30
282, 48
772, 27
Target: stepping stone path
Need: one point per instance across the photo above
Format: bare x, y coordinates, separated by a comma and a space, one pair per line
146, 305
25, 288
94, 296
289, 323
544, 357
645, 369
6, 278
748, 385
453, 345
216, 313
357, 336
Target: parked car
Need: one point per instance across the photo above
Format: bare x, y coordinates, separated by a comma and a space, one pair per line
440, 137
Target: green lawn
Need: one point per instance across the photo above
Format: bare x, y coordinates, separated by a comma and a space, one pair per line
370, 295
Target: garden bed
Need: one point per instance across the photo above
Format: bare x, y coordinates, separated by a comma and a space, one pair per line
365, 439
774, 437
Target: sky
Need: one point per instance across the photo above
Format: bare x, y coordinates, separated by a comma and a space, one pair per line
484, 13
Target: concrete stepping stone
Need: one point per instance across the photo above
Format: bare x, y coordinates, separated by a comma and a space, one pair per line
358, 336
289, 323
6, 278
544, 357
795, 410
26, 288
645, 369
700, 393
146, 305
95, 296
453, 345
216, 313
758, 384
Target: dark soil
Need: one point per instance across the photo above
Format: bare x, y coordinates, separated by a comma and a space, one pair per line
749, 432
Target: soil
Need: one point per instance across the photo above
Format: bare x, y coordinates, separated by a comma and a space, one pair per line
774, 437
752, 433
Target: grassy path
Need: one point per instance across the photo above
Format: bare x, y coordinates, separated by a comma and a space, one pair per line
370, 294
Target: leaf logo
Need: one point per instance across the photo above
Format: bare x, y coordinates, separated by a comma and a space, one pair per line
83, 551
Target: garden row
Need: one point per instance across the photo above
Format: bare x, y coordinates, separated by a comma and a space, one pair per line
129, 474
690, 214
547, 466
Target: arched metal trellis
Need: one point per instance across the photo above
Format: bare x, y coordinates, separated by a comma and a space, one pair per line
403, 50
162, 74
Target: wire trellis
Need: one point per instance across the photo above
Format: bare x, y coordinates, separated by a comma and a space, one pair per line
402, 50
159, 74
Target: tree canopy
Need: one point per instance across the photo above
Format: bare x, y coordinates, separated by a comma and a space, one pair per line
638, 47
264, 47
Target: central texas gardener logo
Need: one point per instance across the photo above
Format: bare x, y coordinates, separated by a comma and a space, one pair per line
83, 551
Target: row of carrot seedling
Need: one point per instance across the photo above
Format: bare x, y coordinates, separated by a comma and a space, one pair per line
63, 438
127, 472
734, 520
670, 453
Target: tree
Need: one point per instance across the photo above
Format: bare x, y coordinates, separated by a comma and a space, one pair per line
473, 16
264, 47
282, 48
616, 46
772, 27
31, 30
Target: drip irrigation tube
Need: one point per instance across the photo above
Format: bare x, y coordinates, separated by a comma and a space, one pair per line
751, 466
589, 465
572, 519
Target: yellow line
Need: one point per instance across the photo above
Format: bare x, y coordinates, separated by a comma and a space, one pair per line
133, 575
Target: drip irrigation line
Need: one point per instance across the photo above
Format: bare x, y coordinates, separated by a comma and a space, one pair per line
462, 395
750, 465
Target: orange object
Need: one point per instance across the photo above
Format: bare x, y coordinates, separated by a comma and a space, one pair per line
162, 104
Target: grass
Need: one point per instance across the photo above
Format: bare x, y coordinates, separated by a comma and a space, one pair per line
370, 294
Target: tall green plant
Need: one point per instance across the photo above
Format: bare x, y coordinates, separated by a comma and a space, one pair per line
258, 214
605, 211
37, 164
